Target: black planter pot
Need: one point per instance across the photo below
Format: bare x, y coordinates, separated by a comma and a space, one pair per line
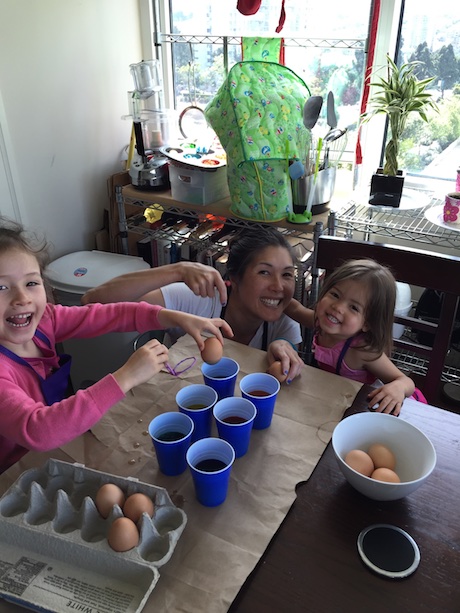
386, 190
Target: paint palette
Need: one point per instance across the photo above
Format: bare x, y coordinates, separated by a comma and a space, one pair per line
198, 154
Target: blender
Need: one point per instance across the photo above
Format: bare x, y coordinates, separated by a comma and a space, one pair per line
152, 127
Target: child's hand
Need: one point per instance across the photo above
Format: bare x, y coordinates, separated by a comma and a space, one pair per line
388, 398
291, 363
196, 325
142, 365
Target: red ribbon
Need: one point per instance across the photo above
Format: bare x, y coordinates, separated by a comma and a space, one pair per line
250, 7
367, 74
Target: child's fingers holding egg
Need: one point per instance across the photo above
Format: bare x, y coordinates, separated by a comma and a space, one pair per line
212, 351
219, 328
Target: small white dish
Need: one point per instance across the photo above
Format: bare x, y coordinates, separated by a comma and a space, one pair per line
435, 215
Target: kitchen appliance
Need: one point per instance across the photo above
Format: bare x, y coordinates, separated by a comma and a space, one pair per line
153, 128
148, 171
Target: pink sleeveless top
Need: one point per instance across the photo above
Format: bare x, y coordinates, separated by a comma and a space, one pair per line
328, 357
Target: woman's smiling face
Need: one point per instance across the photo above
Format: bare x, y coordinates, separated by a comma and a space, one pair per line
267, 285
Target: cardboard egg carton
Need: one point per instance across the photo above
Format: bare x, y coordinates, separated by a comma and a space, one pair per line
54, 554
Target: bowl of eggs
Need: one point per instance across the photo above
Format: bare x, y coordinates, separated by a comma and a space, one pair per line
382, 456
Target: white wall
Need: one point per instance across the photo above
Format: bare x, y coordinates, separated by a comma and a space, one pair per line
64, 78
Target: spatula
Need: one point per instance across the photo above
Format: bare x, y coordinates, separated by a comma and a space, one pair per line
311, 111
330, 111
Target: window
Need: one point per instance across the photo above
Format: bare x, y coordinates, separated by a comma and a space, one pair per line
430, 34
325, 44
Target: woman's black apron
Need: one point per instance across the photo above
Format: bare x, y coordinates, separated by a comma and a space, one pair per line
265, 324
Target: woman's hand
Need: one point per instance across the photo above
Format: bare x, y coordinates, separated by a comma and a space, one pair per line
142, 365
203, 280
195, 325
291, 363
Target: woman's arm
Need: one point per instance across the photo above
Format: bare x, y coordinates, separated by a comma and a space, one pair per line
133, 287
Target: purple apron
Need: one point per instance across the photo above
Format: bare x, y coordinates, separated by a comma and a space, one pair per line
56, 386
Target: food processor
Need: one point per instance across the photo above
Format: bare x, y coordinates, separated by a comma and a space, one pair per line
153, 128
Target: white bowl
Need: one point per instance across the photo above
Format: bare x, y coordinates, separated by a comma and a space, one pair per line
415, 454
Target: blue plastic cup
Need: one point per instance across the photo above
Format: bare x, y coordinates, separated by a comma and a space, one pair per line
221, 376
210, 461
234, 418
171, 435
261, 389
196, 401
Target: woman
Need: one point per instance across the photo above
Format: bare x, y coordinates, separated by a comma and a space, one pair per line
261, 282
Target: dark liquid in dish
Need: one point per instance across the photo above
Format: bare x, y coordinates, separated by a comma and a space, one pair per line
259, 393
170, 436
211, 465
195, 407
234, 419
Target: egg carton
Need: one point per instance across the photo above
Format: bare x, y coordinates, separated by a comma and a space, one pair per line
54, 554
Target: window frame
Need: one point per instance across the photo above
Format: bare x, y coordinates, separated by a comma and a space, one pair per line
155, 20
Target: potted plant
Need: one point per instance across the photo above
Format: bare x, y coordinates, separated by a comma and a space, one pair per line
397, 96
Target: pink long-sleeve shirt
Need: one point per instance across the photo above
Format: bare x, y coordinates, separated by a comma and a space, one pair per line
26, 422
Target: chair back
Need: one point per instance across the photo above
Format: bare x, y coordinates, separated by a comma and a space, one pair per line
424, 269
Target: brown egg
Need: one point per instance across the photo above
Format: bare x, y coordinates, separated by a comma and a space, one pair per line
136, 504
276, 370
360, 461
382, 456
123, 534
212, 351
108, 495
385, 474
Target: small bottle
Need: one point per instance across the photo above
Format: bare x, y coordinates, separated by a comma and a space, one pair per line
457, 182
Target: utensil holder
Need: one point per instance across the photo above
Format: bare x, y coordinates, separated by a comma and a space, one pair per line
323, 190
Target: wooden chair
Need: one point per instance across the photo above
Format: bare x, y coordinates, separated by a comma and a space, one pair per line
424, 269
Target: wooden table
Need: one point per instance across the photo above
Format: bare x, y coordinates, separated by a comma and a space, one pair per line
220, 546
312, 563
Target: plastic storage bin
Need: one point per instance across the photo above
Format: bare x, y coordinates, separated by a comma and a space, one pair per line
195, 186
70, 277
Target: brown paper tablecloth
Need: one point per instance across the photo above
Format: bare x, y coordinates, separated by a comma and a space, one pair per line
220, 546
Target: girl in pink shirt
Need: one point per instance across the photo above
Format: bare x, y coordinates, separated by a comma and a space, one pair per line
35, 412
353, 323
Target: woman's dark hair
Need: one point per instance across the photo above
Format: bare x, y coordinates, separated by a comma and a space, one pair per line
250, 241
14, 236
380, 307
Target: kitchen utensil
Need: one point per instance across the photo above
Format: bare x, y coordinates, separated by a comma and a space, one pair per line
333, 135
337, 147
296, 170
314, 176
311, 111
330, 111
